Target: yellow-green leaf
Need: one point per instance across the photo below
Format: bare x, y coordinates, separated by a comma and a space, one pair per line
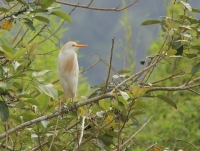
171, 52
150, 22
2, 31
7, 51
135, 91
82, 110
105, 104
62, 15
47, 3
18, 54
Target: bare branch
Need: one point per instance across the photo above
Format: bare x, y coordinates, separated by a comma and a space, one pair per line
97, 8
174, 88
57, 113
150, 147
110, 66
82, 130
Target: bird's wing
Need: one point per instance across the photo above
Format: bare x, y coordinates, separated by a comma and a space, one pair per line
68, 73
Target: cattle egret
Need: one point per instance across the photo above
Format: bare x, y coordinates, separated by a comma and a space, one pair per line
68, 68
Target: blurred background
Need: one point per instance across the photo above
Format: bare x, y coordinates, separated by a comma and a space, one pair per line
97, 28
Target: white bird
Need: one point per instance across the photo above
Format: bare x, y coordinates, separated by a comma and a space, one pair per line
68, 68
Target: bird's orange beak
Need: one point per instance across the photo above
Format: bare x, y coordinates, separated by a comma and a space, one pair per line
81, 45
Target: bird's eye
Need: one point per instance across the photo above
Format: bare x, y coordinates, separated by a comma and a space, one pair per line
73, 45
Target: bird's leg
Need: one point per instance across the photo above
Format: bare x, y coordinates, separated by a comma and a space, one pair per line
61, 106
73, 106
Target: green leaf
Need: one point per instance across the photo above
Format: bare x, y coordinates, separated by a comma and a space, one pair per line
46, 3
177, 43
123, 71
22, 2
6, 42
195, 69
2, 31
150, 22
82, 110
171, 52
3, 85
93, 95
62, 15
38, 11
196, 10
197, 47
140, 104
29, 24
179, 51
95, 109
18, 54
190, 56
25, 96
187, 5
49, 90
7, 51
19, 104
119, 106
2, 9
167, 100
36, 74
33, 102
106, 139
1, 70
121, 98
17, 76
135, 113
4, 112
43, 19
105, 104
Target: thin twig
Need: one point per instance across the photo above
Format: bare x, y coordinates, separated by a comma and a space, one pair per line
82, 130
96, 8
36, 34
54, 133
90, 3
194, 92
110, 65
150, 147
52, 34
21, 38
91, 136
132, 136
90, 66
17, 34
38, 147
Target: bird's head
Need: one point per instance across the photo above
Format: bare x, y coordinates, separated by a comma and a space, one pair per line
72, 46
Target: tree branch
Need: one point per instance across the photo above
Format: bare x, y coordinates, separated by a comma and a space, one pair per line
110, 65
57, 113
97, 8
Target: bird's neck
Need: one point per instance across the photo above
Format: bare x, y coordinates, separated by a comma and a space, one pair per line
69, 53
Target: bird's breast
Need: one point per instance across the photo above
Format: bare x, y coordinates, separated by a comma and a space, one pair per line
67, 63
